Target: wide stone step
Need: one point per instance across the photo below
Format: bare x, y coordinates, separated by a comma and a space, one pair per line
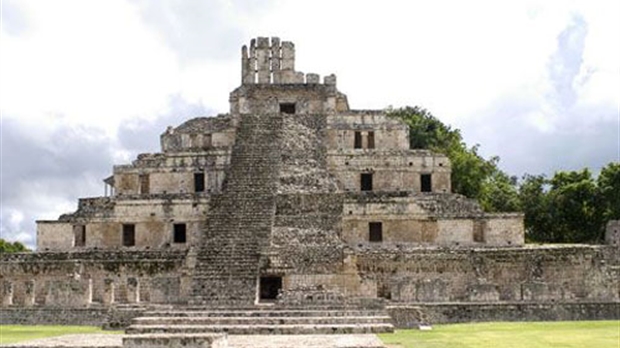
267, 312
204, 340
265, 329
260, 320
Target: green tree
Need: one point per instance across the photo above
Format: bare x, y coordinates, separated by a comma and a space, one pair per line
564, 209
472, 175
535, 206
499, 193
609, 191
15, 247
576, 210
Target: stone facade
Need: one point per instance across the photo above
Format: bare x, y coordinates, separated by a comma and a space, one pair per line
292, 198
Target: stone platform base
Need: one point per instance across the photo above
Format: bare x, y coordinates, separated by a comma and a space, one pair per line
243, 341
204, 340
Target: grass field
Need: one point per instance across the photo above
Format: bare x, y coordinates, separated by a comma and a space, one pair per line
16, 333
573, 334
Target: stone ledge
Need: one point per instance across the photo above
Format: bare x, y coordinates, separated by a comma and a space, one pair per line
202, 340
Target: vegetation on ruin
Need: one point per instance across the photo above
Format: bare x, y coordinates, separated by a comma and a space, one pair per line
570, 207
574, 334
18, 333
15, 247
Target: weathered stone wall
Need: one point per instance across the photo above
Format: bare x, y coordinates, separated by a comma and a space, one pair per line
428, 219
93, 278
612, 233
409, 316
385, 154
154, 217
307, 98
529, 274
171, 173
200, 134
389, 134
54, 235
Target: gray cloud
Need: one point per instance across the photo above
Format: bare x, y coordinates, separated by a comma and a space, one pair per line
39, 176
565, 64
502, 130
198, 30
141, 136
574, 141
42, 177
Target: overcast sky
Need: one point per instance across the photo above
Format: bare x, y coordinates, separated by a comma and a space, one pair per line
88, 84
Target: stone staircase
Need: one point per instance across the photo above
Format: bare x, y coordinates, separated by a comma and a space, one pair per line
263, 322
239, 223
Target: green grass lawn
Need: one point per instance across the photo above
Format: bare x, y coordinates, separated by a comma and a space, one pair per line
16, 333
566, 334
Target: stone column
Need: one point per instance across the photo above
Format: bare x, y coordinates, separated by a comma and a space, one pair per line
108, 292
133, 290
288, 56
7, 293
29, 294
262, 60
247, 68
88, 296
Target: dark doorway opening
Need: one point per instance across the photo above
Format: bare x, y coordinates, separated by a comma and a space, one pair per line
129, 235
371, 140
426, 183
287, 108
375, 232
180, 233
269, 288
199, 182
357, 140
366, 182
79, 235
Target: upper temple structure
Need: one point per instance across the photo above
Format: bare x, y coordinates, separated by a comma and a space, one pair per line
292, 198
290, 147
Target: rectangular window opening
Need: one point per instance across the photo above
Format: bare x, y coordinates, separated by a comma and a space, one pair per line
144, 183
199, 182
79, 235
478, 234
287, 108
426, 183
129, 234
357, 143
375, 232
371, 140
180, 233
366, 181
206, 141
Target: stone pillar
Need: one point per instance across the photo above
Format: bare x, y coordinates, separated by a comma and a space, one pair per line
247, 68
133, 290
7, 293
275, 53
313, 78
612, 232
330, 80
88, 296
262, 60
29, 294
288, 56
108, 292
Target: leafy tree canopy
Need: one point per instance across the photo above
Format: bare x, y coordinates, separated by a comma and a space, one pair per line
472, 175
15, 247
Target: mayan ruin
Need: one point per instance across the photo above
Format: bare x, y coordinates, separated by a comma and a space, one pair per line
289, 205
